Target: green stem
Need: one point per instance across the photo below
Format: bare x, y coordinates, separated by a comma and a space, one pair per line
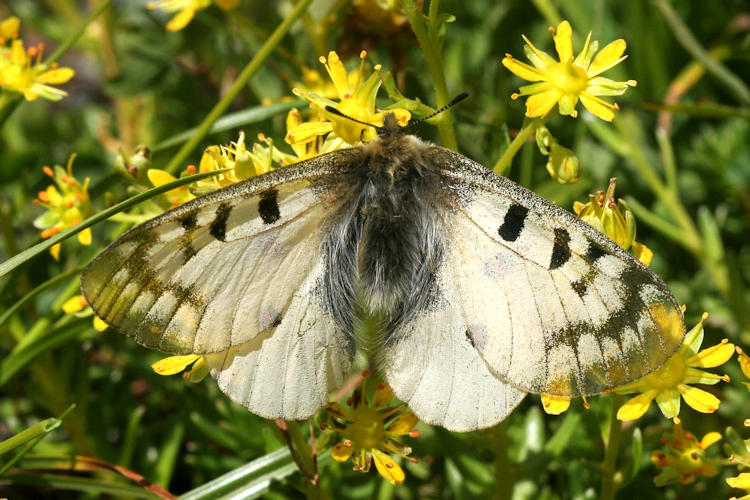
247, 73
428, 38
503, 164
610, 481
304, 452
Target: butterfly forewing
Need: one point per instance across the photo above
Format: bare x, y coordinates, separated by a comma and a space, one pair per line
551, 304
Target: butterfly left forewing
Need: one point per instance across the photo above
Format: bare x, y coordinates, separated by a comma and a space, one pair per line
236, 275
551, 304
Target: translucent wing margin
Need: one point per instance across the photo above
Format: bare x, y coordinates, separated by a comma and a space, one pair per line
552, 305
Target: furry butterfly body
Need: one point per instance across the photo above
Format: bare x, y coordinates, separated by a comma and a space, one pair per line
486, 290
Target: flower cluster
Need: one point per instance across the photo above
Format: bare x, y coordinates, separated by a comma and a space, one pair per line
67, 203
368, 428
685, 457
22, 69
571, 78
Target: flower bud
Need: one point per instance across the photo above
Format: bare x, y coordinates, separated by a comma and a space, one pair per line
610, 216
563, 165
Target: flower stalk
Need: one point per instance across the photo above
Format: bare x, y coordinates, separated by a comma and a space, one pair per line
503, 164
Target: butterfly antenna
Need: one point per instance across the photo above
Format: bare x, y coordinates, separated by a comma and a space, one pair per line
453, 102
336, 112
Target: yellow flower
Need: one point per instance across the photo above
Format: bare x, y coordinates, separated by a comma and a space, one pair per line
685, 458
175, 364
357, 100
19, 72
565, 81
241, 162
77, 305
369, 430
741, 482
613, 218
673, 379
66, 207
186, 9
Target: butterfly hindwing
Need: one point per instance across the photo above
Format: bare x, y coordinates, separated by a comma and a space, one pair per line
551, 304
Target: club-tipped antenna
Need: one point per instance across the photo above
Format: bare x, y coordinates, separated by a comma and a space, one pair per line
460, 97
336, 112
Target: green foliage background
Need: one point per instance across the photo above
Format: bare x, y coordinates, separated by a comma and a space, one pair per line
137, 83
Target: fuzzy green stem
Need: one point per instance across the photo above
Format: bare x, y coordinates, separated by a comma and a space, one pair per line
304, 452
428, 38
252, 67
503, 164
610, 481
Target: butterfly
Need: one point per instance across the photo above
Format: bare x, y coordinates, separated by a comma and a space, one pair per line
485, 291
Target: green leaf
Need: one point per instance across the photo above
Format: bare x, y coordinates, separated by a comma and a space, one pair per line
232, 121
26, 255
36, 430
253, 479
95, 487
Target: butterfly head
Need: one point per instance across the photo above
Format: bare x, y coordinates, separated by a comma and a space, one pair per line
391, 129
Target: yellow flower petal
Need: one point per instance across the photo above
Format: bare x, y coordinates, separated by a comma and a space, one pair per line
607, 57
74, 304
173, 364
744, 360
555, 405
597, 107
57, 75
337, 72
637, 406
741, 482
307, 132
342, 451
540, 104
669, 402
564, 41
383, 395
523, 70
55, 251
709, 439
698, 399
712, 356
159, 177
181, 20
388, 468
402, 425
84, 237
642, 253
9, 27
99, 324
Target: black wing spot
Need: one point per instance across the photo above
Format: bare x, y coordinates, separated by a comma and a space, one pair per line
219, 224
189, 221
594, 252
268, 207
512, 225
560, 250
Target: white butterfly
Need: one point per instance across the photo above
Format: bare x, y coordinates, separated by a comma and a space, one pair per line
488, 290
